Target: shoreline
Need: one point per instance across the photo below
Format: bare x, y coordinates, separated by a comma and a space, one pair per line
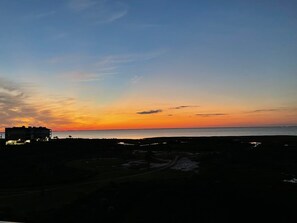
166, 137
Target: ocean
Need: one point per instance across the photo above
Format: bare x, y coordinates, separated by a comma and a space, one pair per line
187, 132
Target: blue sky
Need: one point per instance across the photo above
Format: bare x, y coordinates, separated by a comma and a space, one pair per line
143, 55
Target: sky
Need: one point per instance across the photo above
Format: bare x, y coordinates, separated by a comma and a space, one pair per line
135, 64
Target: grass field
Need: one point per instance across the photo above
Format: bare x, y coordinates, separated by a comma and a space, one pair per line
151, 180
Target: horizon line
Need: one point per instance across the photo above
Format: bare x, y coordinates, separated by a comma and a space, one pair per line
168, 128
213, 127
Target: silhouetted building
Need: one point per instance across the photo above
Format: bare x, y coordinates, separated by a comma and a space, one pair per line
30, 133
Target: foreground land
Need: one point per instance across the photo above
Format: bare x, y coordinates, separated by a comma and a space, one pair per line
205, 179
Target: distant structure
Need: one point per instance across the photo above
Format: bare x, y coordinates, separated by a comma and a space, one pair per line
30, 133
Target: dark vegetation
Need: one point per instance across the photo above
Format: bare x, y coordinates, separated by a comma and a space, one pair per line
80, 180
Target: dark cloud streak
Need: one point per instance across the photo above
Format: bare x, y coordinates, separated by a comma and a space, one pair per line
149, 112
266, 110
183, 106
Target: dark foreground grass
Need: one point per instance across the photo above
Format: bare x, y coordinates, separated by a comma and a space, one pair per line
234, 183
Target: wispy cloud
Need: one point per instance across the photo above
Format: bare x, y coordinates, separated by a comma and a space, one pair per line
41, 15
266, 110
99, 11
80, 76
79, 5
13, 107
113, 16
65, 59
112, 64
136, 79
183, 106
18, 107
113, 60
88, 68
211, 114
149, 112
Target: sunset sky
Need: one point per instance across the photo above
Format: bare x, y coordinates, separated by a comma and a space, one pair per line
125, 64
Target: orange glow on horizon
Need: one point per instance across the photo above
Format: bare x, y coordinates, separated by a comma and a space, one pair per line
72, 116
160, 121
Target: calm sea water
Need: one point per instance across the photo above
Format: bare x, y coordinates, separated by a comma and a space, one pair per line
147, 133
